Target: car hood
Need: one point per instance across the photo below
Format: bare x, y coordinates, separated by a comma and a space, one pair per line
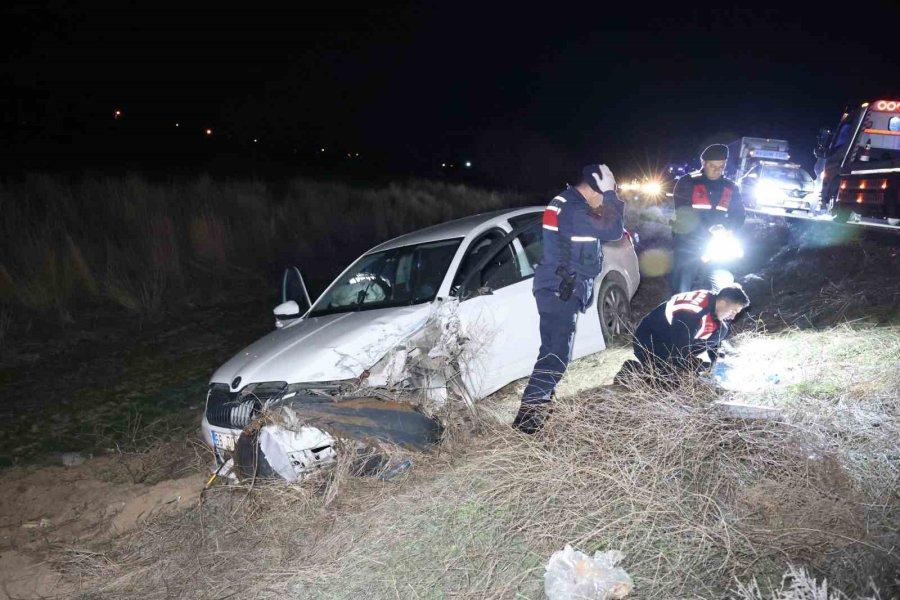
328, 348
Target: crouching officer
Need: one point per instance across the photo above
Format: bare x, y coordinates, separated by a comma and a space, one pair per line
575, 223
704, 200
673, 336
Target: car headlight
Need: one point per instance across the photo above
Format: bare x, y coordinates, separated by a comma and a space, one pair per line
652, 188
766, 189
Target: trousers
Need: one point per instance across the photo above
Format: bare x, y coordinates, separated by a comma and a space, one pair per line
686, 264
557, 318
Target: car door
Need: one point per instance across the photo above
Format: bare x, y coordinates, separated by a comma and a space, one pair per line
497, 313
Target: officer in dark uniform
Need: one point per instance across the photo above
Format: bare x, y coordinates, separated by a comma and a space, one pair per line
674, 335
704, 200
575, 223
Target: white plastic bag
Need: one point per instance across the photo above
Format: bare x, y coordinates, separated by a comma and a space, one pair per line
573, 575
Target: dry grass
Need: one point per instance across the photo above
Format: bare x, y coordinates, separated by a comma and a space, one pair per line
67, 244
696, 500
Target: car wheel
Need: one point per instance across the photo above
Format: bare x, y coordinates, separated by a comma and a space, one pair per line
614, 310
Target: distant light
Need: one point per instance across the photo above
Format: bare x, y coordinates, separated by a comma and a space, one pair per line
468, 164
357, 154
443, 165
349, 155
209, 132
652, 188
117, 114
255, 140
323, 149
177, 124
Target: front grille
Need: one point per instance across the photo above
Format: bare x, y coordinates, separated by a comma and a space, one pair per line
235, 410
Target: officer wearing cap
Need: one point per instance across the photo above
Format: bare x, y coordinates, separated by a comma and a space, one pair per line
575, 223
704, 201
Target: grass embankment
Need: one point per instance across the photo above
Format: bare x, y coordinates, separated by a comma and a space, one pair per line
697, 501
139, 245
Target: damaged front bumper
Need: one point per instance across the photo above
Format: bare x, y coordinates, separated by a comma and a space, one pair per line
293, 434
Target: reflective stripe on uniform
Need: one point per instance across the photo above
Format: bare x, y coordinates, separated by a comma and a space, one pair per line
583, 238
692, 302
707, 327
725, 200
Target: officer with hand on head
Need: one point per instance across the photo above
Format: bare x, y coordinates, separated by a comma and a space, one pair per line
575, 223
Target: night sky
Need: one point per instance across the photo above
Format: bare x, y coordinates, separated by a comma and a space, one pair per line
521, 92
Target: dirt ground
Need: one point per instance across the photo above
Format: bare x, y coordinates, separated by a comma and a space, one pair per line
97, 444
60, 511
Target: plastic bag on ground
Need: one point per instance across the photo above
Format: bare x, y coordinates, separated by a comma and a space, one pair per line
573, 575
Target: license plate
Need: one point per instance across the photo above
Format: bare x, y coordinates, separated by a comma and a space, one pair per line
224, 441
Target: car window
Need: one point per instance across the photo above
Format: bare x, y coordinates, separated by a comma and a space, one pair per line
753, 173
782, 173
502, 269
398, 277
843, 135
476, 252
531, 247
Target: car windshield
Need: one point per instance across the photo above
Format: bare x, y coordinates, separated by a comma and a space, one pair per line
787, 174
398, 277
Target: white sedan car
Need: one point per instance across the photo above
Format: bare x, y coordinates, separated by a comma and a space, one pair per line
431, 320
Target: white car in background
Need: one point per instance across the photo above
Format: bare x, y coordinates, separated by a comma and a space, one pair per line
779, 185
439, 316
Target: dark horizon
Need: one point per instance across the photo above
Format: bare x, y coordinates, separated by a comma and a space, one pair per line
526, 97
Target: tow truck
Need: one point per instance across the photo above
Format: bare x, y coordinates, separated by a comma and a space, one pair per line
859, 163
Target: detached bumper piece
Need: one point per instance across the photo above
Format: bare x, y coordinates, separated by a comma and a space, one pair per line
299, 436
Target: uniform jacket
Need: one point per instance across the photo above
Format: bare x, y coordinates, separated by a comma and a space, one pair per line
680, 328
572, 237
701, 203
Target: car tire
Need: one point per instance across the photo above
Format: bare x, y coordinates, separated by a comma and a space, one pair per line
614, 311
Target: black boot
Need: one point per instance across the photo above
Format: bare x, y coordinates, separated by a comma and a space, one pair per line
530, 417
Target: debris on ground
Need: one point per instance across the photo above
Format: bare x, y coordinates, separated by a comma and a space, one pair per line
572, 575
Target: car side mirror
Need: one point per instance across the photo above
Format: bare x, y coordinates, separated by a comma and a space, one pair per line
286, 312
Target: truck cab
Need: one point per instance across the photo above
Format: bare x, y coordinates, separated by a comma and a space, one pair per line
860, 163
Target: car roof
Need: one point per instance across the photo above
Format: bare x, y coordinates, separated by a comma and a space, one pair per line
457, 228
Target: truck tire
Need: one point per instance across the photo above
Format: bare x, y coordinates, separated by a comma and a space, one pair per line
841, 214
614, 310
